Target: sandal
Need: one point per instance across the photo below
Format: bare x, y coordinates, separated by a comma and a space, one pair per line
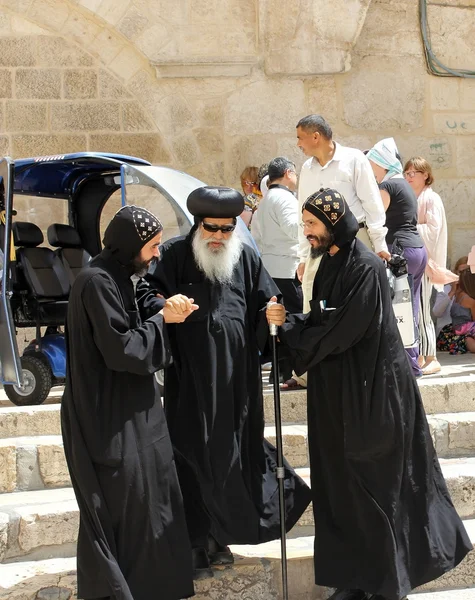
291, 384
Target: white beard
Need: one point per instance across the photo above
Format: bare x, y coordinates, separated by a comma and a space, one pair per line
217, 265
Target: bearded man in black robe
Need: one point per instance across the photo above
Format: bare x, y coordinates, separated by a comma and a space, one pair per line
133, 542
384, 520
213, 391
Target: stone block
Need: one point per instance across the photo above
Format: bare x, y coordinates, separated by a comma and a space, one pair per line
5, 83
112, 11
54, 593
362, 142
390, 28
46, 144
134, 118
151, 147
265, 107
7, 468
81, 29
5, 148
454, 123
287, 146
451, 34
322, 97
110, 87
5, 24
85, 116
133, 23
186, 150
462, 436
49, 13
52, 465
21, 26
17, 51
157, 42
243, 151
437, 150
209, 172
55, 51
458, 236
462, 491
210, 141
48, 525
26, 116
127, 63
239, 582
439, 430
298, 40
19, 6
28, 472
4, 521
366, 106
40, 84
444, 93
457, 195
80, 83
91, 5
466, 156
106, 46
172, 113
210, 112
467, 94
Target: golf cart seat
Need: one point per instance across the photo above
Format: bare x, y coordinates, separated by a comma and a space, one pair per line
70, 251
46, 281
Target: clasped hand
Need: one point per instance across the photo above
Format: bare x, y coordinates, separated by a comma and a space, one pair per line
177, 308
275, 313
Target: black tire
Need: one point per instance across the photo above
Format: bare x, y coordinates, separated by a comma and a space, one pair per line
38, 379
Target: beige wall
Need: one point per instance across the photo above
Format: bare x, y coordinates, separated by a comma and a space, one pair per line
209, 86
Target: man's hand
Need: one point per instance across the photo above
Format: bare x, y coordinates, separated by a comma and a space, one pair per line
178, 308
179, 304
300, 271
384, 255
275, 313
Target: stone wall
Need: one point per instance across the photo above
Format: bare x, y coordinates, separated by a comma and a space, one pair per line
209, 86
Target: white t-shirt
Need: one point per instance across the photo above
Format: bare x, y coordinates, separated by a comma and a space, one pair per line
350, 173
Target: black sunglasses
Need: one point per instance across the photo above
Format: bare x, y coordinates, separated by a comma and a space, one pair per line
213, 228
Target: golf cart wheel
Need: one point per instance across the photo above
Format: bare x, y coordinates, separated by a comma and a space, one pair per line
37, 382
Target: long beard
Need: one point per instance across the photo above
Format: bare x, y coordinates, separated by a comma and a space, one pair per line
141, 267
217, 265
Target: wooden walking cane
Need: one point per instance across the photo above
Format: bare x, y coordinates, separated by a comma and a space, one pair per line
273, 329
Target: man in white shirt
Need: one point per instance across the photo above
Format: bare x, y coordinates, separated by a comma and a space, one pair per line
346, 170
275, 228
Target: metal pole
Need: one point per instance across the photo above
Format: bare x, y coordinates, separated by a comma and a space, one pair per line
280, 459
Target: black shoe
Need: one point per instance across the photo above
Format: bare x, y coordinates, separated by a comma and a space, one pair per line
219, 555
349, 595
201, 567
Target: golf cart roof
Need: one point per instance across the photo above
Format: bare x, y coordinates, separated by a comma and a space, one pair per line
58, 175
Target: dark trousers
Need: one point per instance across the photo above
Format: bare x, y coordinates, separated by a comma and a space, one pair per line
291, 290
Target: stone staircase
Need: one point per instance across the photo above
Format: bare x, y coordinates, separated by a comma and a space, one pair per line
39, 517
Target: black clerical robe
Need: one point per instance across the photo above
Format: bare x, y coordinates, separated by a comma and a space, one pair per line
213, 400
384, 520
133, 543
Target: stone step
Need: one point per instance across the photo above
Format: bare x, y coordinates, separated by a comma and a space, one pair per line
453, 435
43, 524
465, 594
19, 421
32, 463
451, 394
255, 574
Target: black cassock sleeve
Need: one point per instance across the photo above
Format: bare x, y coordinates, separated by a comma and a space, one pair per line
142, 350
337, 330
161, 279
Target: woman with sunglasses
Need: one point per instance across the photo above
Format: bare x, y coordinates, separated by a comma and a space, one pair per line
432, 227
